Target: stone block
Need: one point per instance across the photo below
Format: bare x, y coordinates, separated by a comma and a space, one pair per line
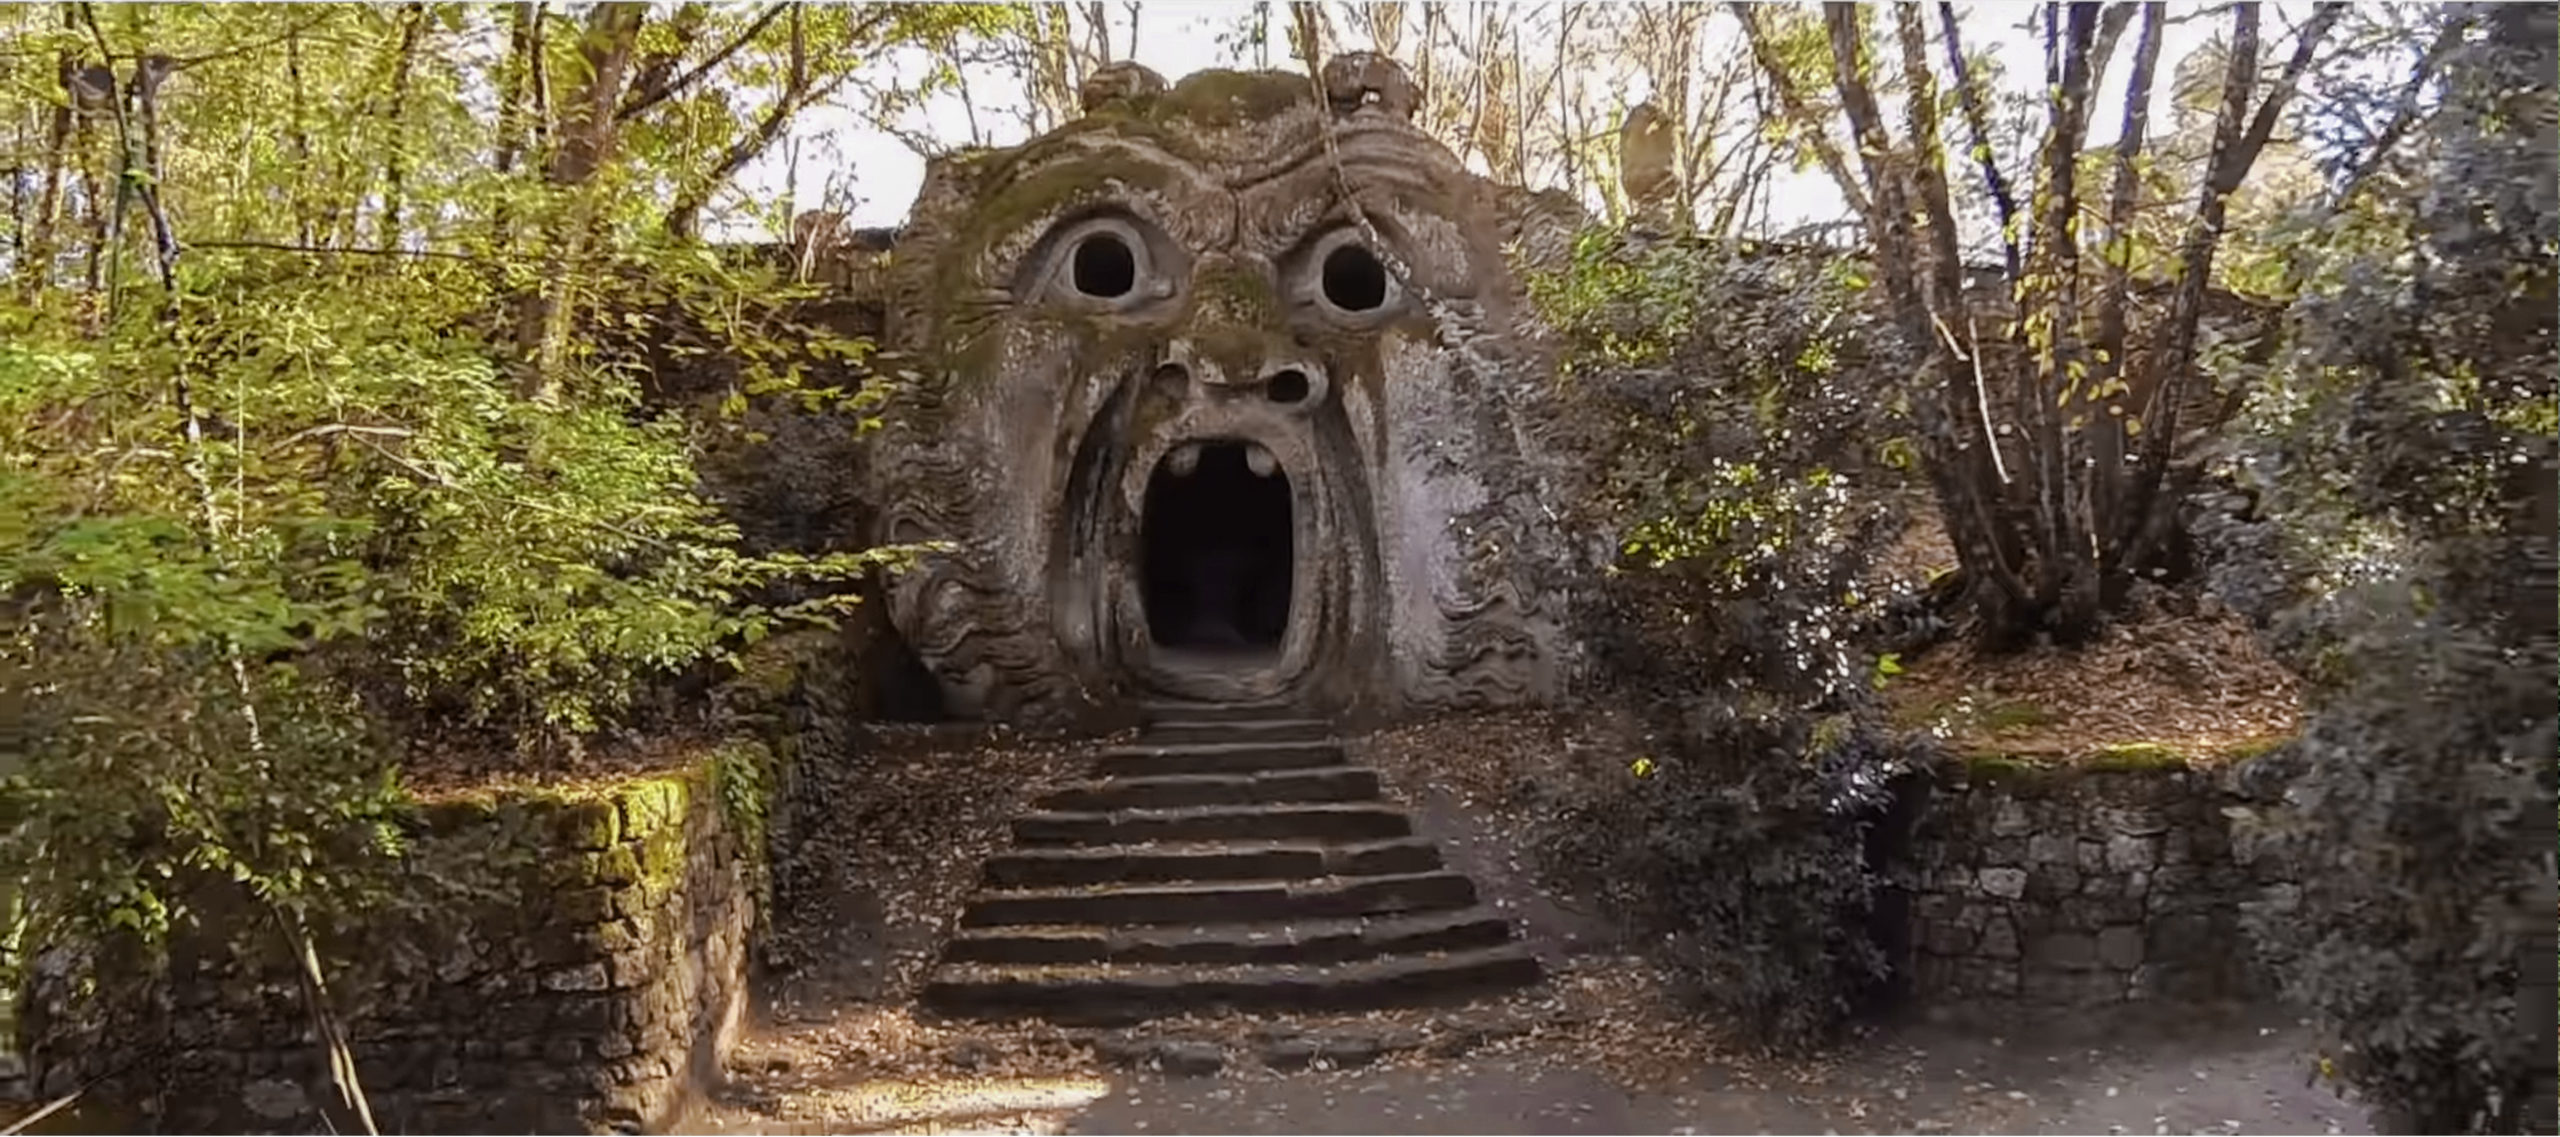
1947, 939
2006, 883
2052, 881
2050, 849
583, 977
618, 865
2126, 853
1999, 939
584, 906
2010, 819
2064, 951
2093, 855
2184, 936
2120, 947
2133, 821
587, 825
2005, 852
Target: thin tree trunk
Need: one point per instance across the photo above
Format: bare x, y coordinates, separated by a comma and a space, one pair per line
1977, 118
35, 268
586, 141
2149, 513
515, 89
395, 164
1962, 462
2104, 398
2065, 583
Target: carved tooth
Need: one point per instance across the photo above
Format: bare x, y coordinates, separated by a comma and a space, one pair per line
1186, 458
1263, 464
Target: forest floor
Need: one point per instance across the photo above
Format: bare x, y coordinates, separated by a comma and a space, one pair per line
1605, 1045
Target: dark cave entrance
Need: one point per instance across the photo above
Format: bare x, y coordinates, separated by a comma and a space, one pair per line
1218, 554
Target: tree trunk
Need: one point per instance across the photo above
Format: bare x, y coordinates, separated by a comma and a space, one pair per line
586, 137
2103, 400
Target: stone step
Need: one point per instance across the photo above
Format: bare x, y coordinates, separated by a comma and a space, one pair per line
1304, 941
1349, 821
1145, 760
1258, 730
1174, 791
1222, 902
1106, 993
1164, 863
1179, 711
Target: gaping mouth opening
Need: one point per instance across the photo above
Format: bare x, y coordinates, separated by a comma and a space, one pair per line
1218, 546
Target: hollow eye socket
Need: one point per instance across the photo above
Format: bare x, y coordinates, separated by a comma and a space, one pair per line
1107, 263
1103, 266
1353, 279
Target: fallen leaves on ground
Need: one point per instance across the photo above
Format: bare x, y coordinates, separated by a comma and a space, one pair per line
2180, 674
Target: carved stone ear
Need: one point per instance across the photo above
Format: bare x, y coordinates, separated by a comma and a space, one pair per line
1113, 82
1358, 80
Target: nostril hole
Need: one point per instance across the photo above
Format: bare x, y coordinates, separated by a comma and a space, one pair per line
1172, 379
1287, 387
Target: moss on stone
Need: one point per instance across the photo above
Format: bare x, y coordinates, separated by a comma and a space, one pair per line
2132, 756
584, 824
617, 865
2000, 767
651, 805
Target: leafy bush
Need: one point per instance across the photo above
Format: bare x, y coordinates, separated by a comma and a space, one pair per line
2420, 475
1728, 616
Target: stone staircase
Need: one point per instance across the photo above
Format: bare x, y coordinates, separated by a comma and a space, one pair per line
1230, 859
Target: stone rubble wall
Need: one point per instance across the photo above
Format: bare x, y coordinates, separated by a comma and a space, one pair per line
549, 962
2077, 888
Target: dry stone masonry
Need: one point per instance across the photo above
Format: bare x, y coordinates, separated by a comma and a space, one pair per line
588, 973
2082, 887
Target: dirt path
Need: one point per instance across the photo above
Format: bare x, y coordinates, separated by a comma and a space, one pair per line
1601, 1047
1594, 1055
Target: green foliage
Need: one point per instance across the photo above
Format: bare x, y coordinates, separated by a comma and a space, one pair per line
2415, 469
396, 441
1738, 839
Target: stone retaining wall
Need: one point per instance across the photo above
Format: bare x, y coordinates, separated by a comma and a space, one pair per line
2080, 887
551, 961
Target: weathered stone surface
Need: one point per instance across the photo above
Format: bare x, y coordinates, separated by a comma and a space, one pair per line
507, 1006
1151, 346
2072, 890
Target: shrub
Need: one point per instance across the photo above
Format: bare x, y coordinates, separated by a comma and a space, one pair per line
1737, 467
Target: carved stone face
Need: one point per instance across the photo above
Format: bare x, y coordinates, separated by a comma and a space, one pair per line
1201, 423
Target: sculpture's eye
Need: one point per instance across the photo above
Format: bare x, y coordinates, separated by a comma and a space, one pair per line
1103, 266
1104, 262
1347, 279
1354, 279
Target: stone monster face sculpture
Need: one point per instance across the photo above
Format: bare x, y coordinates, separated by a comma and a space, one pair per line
1197, 424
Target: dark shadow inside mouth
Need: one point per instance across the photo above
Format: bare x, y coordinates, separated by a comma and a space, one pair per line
1218, 553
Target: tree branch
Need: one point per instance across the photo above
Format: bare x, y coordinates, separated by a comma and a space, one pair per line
647, 95
2404, 115
1977, 118
1809, 127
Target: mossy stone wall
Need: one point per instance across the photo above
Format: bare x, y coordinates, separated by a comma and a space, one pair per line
2079, 887
549, 961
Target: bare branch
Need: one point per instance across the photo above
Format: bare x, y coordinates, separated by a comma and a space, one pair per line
1977, 117
2404, 115
1808, 126
646, 96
